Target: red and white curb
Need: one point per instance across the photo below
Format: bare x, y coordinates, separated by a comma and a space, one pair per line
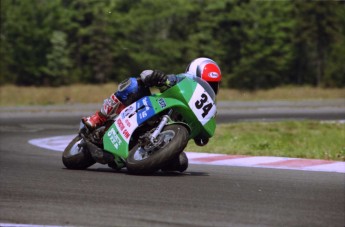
59, 143
267, 162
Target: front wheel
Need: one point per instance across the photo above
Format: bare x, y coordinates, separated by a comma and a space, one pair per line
76, 156
142, 160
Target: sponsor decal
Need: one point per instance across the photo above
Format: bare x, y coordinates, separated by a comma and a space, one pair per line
162, 103
213, 75
144, 113
122, 128
126, 112
128, 123
114, 138
120, 124
126, 134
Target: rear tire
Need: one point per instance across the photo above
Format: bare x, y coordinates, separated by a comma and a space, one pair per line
75, 157
179, 164
162, 157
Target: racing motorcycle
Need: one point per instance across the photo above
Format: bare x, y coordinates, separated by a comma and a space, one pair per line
151, 133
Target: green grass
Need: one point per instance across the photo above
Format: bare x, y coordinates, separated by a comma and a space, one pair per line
16, 96
300, 139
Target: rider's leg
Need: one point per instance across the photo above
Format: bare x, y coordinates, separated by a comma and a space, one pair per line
128, 92
111, 107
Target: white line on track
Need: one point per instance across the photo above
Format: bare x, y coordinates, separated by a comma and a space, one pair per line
58, 143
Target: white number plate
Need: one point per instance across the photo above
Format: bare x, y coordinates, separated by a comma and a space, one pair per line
202, 105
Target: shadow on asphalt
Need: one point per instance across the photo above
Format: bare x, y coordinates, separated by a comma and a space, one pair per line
155, 174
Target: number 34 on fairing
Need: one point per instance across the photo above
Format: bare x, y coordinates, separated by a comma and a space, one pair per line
202, 105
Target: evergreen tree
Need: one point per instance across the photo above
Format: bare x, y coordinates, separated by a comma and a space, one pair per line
258, 44
264, 51
59, 64
154, 35
335, 68
317, 27
100, 52
27, 30
6, 50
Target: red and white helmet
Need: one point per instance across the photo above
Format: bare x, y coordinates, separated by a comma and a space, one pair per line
206, 69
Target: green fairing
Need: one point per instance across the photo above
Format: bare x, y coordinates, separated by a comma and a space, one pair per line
122, 149
176, 98
210, 128
179, 101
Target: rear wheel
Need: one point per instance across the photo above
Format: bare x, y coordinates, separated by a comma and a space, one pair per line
143, 160
76, 156
179, 164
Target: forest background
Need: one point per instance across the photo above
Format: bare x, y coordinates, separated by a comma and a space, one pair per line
258, 44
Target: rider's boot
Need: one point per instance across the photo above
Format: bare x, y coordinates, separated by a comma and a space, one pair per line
112, 106
95, 120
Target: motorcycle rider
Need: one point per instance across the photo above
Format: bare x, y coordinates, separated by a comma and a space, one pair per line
133, 89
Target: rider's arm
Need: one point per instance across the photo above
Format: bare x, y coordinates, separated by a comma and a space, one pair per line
157, 78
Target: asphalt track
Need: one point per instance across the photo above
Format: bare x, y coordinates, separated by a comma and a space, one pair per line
36, 189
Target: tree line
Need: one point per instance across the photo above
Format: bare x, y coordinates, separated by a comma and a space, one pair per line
258, 44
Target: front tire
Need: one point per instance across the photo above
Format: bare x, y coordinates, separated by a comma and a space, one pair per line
77, 157
176, 139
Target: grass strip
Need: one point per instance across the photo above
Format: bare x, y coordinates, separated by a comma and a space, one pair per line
298, 139
11, 95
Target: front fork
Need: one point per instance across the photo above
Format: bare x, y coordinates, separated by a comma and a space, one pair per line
158, 130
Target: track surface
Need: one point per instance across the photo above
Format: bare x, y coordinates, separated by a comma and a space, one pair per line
35, 188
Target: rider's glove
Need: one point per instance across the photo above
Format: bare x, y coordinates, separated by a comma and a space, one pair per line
201, 141
154, 78
171, 80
